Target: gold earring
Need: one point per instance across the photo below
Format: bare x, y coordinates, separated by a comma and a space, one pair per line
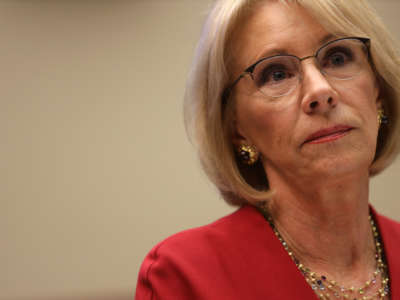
382, 118
248, 154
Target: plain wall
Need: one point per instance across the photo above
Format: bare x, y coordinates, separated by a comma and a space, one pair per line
95, 165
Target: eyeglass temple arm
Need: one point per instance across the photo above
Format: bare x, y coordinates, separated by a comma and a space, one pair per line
227, 92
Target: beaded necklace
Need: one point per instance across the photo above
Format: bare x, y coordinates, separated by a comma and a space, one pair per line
329, 289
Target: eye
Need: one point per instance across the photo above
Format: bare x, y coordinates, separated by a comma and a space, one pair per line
337, 57
278, 75
271, 75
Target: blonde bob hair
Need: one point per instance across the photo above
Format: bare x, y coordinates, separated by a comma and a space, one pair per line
208, 119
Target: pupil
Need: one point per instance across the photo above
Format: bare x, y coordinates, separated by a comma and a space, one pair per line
337, 60
278, 75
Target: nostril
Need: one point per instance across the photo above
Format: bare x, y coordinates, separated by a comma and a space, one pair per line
313, 104
330, 100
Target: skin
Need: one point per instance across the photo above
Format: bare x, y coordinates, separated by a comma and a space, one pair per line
321, 190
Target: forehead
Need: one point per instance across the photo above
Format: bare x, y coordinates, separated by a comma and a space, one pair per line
273, 28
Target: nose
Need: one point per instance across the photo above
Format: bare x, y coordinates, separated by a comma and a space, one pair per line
319, 97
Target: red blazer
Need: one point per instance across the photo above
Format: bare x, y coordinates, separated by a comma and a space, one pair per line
238, 257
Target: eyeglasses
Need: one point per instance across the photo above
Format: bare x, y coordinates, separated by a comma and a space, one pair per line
278, 75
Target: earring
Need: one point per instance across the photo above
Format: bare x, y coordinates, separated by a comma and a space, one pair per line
382, 118
248, 154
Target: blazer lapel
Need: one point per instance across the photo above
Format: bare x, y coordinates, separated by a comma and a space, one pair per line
390, 235
283, 273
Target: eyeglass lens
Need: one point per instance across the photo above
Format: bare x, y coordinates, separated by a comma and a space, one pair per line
279, 75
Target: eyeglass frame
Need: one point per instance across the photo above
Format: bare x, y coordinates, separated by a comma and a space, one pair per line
249, 70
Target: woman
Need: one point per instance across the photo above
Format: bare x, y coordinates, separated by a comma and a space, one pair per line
293, 105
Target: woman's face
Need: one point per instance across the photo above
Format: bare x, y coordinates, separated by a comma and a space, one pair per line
324, 127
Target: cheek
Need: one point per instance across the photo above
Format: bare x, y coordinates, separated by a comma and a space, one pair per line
265, 124
361, 95
361, 99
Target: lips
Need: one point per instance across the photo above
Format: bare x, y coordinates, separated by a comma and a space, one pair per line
328, 134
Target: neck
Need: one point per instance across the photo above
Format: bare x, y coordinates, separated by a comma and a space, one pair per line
326, 225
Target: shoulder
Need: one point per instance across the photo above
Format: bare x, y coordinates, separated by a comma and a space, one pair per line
388, 226
388, 221
224, 232
179, 264
221, 232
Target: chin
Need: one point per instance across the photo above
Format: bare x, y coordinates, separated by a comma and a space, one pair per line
345, 165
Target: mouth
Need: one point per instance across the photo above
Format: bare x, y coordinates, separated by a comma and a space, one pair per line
328, 134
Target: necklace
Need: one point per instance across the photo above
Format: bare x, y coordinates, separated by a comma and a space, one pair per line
330, 289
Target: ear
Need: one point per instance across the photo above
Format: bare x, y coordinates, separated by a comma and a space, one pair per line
238, 134
379, 103
378, 94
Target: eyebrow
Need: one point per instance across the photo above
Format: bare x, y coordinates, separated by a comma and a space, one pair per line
278, 51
